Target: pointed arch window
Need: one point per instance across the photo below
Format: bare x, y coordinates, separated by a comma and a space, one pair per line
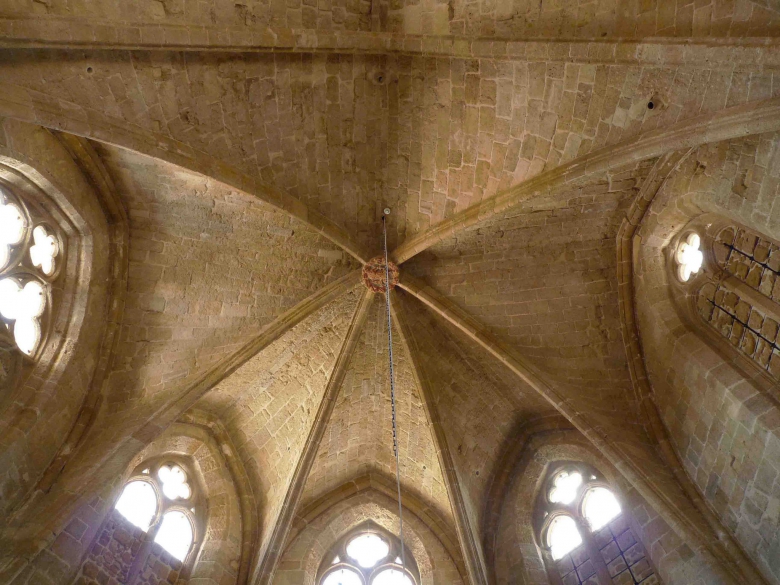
161, 501
585, 534
367, 556
736, 292
30, 256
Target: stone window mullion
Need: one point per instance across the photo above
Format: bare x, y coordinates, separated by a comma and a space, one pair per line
589, 542
140, 560
553, 575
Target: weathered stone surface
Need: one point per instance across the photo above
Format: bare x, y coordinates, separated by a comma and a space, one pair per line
358, 439
251, 148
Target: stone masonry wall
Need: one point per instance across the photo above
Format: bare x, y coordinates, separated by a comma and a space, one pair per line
725, 430
518, 560
112, 558
113, 553
60, 561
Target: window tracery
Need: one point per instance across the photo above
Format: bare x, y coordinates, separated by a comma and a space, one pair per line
29, 262
585, 532
367, 556
162, 503
739, 296
689, 256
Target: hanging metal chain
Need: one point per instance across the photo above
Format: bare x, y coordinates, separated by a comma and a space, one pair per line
392, 399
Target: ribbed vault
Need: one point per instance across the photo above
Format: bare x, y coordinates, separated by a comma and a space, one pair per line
357, 438
254, 180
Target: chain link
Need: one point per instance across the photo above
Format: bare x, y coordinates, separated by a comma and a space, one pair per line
392, 398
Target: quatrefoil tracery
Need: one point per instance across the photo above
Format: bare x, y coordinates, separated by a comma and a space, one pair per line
28, 261
44, 250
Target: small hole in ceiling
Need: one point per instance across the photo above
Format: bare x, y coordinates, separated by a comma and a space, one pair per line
650, 105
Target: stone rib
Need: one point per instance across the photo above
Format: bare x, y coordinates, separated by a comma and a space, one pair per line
268, 335
45, 110
467, 533
266, 566
752, 118
71, 34
672, 503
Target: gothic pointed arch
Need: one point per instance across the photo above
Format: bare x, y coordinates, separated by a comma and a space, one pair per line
706, 335
56, 350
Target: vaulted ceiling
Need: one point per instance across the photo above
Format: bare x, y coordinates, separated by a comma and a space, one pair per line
254, 146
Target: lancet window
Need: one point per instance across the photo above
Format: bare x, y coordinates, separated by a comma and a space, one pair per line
161, 501
368, 556
585, 533
31, 252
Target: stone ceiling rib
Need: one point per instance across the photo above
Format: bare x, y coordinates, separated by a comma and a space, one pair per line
269, 404
269, 554
508, 163
16, 103
625, 449
471, 400
358, 439
67, 33
271, 333
274, 24
541, 278
313, 135
468, 534
203, 292
752, 118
